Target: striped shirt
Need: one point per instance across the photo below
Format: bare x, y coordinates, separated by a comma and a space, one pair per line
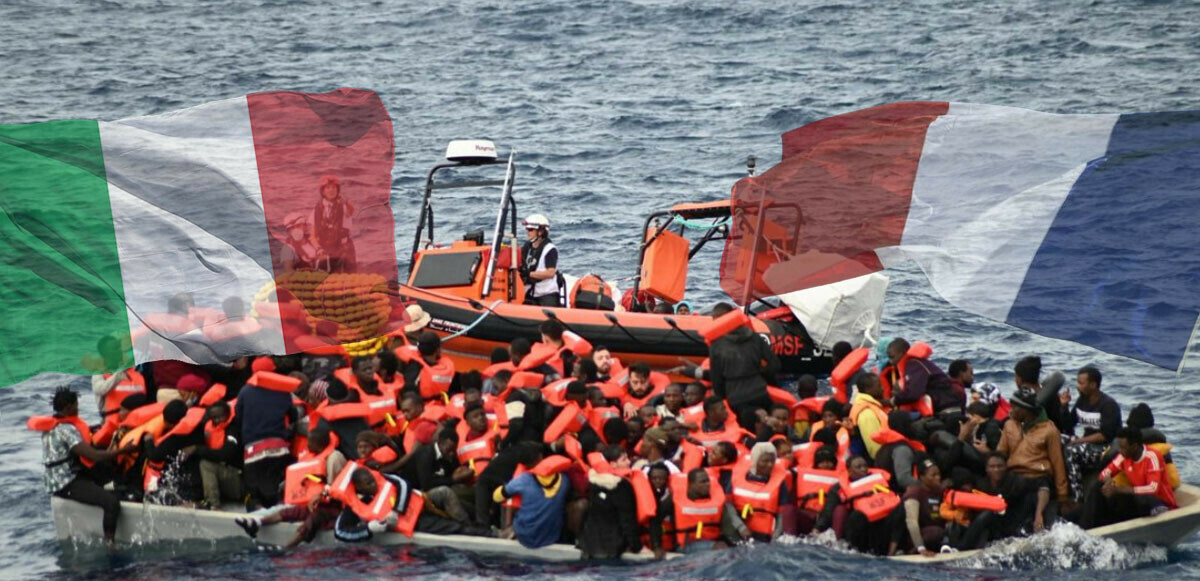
1147, 475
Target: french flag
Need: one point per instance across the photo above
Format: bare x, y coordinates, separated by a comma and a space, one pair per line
1080, 227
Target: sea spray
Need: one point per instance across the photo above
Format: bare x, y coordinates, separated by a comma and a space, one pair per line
1065, 546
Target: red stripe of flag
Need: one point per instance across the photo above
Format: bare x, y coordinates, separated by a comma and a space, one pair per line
299, 139
842, 189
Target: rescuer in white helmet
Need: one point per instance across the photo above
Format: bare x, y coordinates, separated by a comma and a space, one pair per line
539, 264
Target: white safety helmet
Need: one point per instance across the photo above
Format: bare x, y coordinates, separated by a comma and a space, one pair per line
537, 221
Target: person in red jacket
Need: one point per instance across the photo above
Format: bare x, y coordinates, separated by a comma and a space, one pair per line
1147, 494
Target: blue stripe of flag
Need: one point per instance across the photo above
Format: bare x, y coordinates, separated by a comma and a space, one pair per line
1119, 269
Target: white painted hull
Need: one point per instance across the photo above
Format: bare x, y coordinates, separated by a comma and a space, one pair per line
1165, 530
143, 523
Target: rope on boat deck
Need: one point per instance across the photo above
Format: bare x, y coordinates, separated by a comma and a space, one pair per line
468, 328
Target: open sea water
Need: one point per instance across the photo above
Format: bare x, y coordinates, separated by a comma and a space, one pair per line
616, 108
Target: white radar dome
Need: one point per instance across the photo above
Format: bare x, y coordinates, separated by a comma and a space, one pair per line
471, 151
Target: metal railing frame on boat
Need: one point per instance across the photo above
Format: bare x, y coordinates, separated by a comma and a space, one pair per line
506, 213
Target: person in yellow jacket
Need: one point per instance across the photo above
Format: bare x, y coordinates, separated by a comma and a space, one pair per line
866, 411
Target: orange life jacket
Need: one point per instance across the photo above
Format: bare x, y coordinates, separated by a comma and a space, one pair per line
187, 425
273, 381
214, 435
569, 421
435, 379
975, 500
693, 456
758, 502
215, 393
458, 406
843, 440
205, 316
143, 414
225, 330
781, 396
919, 350
647, 505
807, 408
732, 433
693, 414
598, 416
478, 451
305, 479
887, 436
346, 376
846, 368
860, 405
46, 423
103, 436
382, 504
133, 383
724, 324
812, 484
555, 392
549, 466
804, 453
332, 412
871, 496
696, 519
658, 384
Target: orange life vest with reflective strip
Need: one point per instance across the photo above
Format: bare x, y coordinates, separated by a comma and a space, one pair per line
305, 478
435, 379
382, 504
843, 440
758, 502
693, 414
569, 421
133, 383
812, 484
478, 451
598, 416
696, 519
658, 384
871, 496
46, 423
346, 376
555, 392
803, 454
732, 433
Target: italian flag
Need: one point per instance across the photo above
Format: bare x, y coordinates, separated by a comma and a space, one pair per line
103, 225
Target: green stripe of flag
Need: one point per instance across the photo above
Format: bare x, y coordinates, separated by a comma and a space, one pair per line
60, 275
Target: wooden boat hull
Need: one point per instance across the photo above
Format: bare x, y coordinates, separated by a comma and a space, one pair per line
143, 523
1165, 530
